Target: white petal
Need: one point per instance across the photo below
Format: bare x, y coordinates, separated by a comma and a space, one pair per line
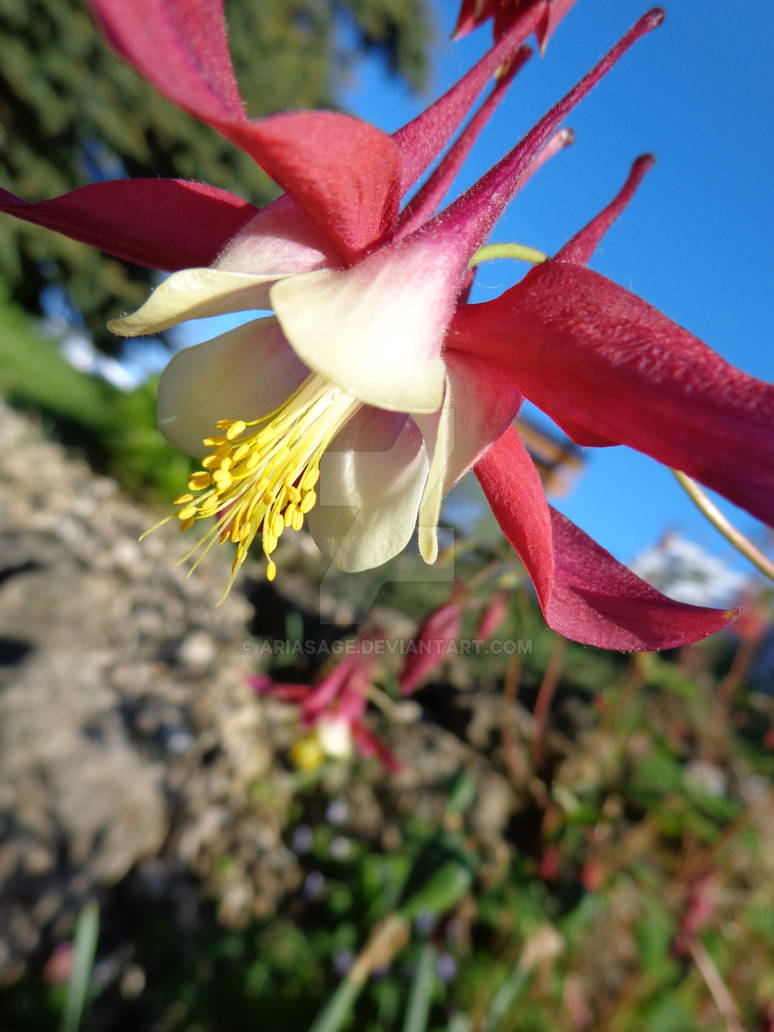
371, 482
280, 240
479, 405
438, 432
335, 738
376, 329
194, 294
242, 374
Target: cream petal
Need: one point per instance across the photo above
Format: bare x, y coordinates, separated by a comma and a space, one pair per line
280, 240
438, 432
243, 374
478, 407
376, 329
371, 481
194, 294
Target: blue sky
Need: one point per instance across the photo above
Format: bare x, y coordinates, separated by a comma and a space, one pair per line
696, 242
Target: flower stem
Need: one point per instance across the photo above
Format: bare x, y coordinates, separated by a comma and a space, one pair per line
520, 252
717, 987
389, 936
84, 949
708, 508
545, 697
421, 991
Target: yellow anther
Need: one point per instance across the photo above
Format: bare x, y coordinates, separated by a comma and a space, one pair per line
277, 525
263, 484
236, 428
187, 524
308, 502
198, 481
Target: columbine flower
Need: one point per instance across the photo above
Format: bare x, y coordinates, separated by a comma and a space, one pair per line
332, 711
371, 351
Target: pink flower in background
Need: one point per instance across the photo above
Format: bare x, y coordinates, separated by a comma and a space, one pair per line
432, 642
334, 708
439, 632
493, 615
374, 387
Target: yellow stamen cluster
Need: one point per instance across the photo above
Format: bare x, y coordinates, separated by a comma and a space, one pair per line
260, 475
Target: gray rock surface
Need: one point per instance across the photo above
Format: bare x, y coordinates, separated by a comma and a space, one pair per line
117, 676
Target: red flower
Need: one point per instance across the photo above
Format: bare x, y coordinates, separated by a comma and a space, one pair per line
333, 709
432, 642
439, 631
372, 344
492, 616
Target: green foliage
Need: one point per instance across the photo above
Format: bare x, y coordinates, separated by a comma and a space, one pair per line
114, 430
70, 111
35, 375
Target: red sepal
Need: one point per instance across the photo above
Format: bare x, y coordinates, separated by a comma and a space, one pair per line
606, 365
585, 593
164, 224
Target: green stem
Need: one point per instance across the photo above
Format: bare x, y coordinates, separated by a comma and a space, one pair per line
339, 1007
504, 998
520, 252
389, 936
84, 949
708, 508
421, 992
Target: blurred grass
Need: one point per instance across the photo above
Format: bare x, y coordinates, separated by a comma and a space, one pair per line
115, 431
34, 375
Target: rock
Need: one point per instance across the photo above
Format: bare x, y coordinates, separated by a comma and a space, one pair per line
197, 651
127, 730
